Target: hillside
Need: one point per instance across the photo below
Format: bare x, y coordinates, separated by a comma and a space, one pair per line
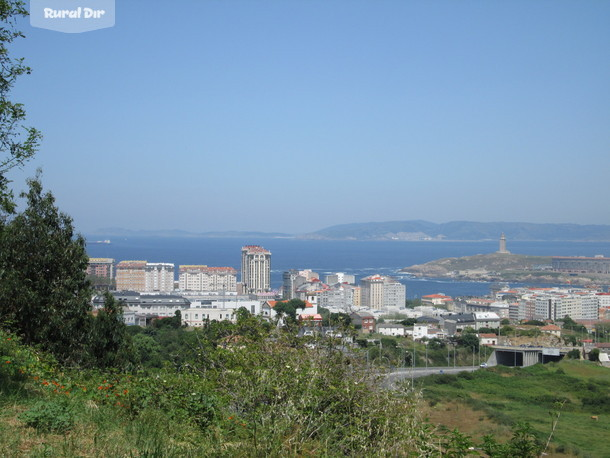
492, 401
462, 230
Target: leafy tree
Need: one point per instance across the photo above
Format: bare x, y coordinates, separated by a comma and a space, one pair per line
569, 323
469, 339
340, 319
412, 303
110, 344
147, 350
169, 322
573, 354
594, 355
44, 293
523, 444
289, 308
17, 143
408, 321
534, 323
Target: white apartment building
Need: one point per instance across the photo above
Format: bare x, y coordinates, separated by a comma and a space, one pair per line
255, 269
159, 277
207, 279
557, 303
339, 296
340, 277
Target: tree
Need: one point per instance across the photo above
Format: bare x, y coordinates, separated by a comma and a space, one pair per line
17, 143
469, 339
44, 293
594, 355
110, 344
288, 309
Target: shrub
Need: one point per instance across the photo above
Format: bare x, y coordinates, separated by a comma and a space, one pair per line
49, 416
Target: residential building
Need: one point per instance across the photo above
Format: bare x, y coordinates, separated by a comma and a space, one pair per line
131, 276
453, 324
551, 329
437, 300
391, 329
255, 269
293, 279
377, 292
364, 320
488, 339
207, 279
101, 267
556, 303
159, 277
339, 296
340, 277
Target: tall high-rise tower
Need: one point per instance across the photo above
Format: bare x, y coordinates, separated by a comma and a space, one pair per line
503, 249
255, 269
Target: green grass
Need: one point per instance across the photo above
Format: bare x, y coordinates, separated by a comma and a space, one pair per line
506, 396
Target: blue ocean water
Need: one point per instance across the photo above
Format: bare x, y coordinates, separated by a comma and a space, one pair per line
327, 256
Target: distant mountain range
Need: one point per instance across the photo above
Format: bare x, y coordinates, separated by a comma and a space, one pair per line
120, 232
408, 231
463, 230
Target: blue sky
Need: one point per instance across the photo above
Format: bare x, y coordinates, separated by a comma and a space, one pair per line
295, 115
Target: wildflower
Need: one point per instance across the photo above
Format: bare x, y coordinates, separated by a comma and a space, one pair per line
84, 389
7, 362
230, 418
125, 391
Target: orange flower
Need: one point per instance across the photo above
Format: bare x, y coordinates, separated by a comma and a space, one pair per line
7, 362
125, 391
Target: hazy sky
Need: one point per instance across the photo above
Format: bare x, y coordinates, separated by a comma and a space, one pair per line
294, 115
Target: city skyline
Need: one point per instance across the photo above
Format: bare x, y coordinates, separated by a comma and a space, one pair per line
296, 116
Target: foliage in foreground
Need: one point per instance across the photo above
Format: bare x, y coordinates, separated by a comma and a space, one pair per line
265, 395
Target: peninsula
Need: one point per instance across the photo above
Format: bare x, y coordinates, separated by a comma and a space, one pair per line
506, 267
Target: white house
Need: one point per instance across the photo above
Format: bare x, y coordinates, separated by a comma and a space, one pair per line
391, 329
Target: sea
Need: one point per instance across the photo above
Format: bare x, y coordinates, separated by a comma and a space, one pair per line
359, 258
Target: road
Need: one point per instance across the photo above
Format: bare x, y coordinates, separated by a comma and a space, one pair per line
407, 373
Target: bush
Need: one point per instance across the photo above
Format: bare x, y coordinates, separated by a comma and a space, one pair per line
49, 416
574, 354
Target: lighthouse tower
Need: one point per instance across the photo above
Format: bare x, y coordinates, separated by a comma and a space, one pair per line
503, 249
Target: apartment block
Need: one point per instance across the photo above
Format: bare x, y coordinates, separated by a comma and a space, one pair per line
207, 279
377, 292
255, 269
131, 276
101, 267
159, 277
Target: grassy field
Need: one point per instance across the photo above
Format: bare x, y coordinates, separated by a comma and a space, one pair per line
491, 401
